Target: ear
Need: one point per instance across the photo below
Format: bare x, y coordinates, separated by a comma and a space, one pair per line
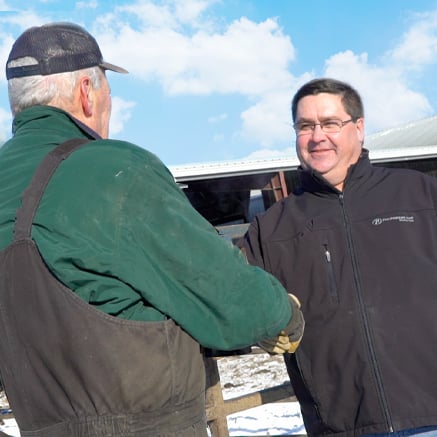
360, 130
85, 95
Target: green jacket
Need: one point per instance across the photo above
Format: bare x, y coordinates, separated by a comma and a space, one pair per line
114, 227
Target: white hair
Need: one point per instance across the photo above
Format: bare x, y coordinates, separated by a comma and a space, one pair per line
54, 89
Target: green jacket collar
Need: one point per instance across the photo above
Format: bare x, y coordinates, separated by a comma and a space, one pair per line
34, 116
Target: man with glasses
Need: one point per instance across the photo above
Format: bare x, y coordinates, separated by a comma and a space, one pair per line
357, 244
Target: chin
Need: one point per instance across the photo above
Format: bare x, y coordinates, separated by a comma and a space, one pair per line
322, 169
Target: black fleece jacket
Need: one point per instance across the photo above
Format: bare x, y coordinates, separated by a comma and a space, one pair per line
363, 263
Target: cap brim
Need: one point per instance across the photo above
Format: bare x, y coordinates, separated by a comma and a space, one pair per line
112, 67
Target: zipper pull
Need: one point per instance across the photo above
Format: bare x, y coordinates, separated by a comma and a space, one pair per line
327, 254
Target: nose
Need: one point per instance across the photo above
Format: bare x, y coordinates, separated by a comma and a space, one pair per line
317, 133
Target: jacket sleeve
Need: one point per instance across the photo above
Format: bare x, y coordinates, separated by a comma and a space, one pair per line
251, 246
179, 264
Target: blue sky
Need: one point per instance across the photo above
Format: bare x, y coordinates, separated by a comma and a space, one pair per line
212, 80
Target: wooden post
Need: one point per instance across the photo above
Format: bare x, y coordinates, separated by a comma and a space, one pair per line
217, 409
215, 405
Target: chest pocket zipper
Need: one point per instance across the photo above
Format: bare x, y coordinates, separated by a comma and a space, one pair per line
331, 277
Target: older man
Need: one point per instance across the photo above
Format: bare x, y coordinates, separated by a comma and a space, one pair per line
110, 282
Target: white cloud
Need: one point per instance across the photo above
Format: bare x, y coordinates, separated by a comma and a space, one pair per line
247, 58
5, 125
148, 14
190, 11
87, 4
121, 112
418, 45
6, 42
269, 120
188, 56
184, 47
217, 118
14, 20
392, 90
389, 88
388, 100
172, 14
23, 19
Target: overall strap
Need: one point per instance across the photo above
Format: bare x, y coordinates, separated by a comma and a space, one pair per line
34, 191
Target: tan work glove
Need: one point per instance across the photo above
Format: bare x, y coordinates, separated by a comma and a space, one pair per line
289, 338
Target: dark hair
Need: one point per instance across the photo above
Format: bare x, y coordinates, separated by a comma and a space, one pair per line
350, 98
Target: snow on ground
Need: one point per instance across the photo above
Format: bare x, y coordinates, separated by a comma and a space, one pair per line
267, 420
248, 374
8, 425
239, 376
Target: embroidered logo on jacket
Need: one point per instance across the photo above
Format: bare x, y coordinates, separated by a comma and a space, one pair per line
398, 218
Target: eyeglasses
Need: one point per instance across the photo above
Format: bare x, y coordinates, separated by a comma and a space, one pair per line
330, 126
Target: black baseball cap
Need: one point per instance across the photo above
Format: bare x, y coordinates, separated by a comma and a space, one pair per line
58, 47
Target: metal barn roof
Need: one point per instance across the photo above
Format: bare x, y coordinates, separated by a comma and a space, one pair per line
421, 133
412, 140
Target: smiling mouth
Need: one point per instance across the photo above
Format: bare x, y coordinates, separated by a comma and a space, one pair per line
319, 151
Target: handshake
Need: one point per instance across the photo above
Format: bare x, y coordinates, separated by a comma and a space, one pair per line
289, 338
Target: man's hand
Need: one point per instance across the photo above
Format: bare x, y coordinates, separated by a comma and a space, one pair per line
289, 338
277, 345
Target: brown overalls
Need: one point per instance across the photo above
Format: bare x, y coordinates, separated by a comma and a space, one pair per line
71, 370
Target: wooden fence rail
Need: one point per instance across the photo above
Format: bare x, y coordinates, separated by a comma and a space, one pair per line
217, 408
